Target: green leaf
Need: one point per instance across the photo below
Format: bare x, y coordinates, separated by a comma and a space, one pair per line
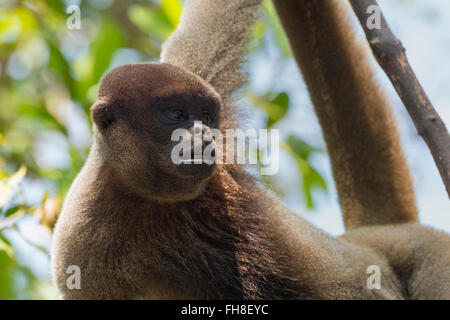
311, 179
301, 148
12, 210
276, 108
172, 9
152, 21
39, 114
6, 247
2, 140
57, 6
258, 30
7, 187
58, 62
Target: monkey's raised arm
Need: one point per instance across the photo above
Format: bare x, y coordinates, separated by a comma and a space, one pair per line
371, 174
211, 40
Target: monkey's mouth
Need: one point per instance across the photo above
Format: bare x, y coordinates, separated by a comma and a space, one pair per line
197, 161
196, 167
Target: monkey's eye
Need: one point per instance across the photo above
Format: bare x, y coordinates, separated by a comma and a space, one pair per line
177, 115
206, 118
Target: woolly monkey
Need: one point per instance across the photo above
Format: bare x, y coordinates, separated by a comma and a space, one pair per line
139, 226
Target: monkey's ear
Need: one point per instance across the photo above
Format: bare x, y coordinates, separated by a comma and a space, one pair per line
102, 114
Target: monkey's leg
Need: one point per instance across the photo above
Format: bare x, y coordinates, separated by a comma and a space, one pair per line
372, 178
419, 256
430, 278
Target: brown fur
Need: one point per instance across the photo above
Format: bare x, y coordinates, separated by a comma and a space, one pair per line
137, 229
216, 55
370, 171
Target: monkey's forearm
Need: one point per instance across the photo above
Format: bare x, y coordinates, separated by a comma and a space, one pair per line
371, 174
211, 40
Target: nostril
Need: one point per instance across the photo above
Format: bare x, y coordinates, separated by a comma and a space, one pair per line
206, 144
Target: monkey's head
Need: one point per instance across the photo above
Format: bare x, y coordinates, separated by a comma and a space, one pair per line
139, 106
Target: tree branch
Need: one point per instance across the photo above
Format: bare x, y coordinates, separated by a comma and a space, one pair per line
390, 54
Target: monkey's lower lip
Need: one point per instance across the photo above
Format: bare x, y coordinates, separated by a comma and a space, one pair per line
194, 162
191, 168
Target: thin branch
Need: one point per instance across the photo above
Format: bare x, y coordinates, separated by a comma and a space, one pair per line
390, 54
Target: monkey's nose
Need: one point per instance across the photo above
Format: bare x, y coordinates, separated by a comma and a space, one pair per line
200, 128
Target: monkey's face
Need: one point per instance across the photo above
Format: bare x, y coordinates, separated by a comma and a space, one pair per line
142, 114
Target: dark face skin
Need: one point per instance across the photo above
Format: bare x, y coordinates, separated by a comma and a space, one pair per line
138, 108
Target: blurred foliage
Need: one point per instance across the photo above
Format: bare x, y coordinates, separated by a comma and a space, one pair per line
48, 80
